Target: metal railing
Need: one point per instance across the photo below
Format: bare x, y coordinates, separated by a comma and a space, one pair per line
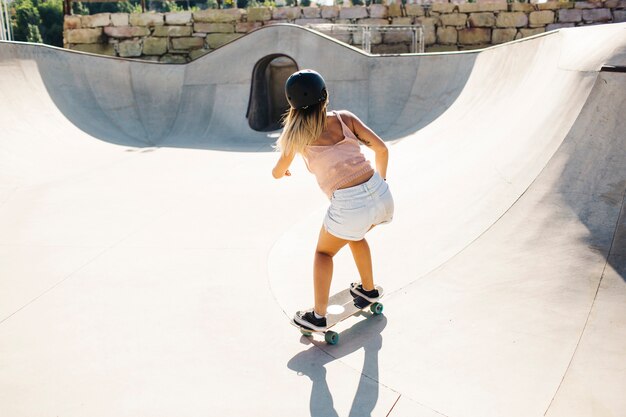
6, 31
365, 31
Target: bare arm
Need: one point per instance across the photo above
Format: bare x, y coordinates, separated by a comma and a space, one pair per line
282, 166
372, 141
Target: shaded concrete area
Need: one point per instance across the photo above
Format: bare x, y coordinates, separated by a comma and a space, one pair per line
149, 263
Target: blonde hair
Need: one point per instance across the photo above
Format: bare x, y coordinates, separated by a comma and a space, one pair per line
301, 128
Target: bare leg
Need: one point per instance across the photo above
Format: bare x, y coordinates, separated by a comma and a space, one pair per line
363, 260
327, 247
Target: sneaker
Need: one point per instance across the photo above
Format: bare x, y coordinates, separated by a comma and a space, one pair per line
357, 290
308, 320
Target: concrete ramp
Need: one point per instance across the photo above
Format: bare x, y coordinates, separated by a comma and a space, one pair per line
149, 263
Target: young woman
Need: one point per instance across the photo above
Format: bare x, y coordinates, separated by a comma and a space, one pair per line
329, 143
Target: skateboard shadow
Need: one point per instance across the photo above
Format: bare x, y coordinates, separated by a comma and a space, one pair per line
366, 334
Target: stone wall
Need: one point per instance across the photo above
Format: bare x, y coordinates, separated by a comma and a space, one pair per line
183, 36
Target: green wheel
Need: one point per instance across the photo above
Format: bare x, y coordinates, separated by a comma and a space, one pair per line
306, 333
332, 338
377, 308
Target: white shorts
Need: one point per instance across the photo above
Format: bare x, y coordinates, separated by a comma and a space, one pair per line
354, 210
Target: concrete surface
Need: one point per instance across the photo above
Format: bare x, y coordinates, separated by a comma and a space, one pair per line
149, 263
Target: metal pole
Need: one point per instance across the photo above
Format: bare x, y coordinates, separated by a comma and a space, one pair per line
2, 38
9, 29
5, 21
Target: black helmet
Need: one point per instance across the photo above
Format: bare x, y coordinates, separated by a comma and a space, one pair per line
305, 88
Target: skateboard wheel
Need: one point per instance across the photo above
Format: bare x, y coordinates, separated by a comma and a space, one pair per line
331, 338
306, 333
377, 308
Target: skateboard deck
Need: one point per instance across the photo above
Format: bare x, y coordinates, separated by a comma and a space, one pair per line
341, 306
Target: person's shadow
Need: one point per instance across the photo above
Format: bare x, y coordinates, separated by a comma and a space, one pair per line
365, 334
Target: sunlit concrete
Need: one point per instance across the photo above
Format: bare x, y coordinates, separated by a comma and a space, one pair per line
149, 263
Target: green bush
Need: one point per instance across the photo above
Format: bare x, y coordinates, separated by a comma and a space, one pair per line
26, 16
51, 26
33, 34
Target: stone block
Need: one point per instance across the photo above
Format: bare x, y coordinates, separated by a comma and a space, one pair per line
355, 12
259, 14
428, 26
218, 15
597, 15
377, 38
96, 20
126, 31
495, 6
310, 12
150, 58
555, 26
405, 36
492, 5
549, 5
447, 36
522, 7
329, 12
128, 49
215, 40
178, 18
378, 11
71, 22
612, 4
468, 7
570, 15
524, 33
567, 4
414, 10
442, 7
197, 53
146, 19
373, 22
304, 22
503, 35
173, 59
192, 42
120, 19
245, 27
587, 5
83, 35
154, 46
512, 20
217, 27
96, 48
453, 19
394, 10
287, 13
541, 18
482, 20
393, 49
172, 31
474, 36
405, 21
619, 16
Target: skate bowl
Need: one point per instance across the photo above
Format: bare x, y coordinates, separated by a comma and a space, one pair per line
149, 262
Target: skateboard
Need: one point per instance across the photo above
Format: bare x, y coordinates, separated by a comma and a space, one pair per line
341, 306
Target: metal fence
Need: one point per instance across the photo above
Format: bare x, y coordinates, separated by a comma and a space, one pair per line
362, 34
6, 31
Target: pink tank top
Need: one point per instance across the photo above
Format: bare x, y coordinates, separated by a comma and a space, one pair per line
338, 164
